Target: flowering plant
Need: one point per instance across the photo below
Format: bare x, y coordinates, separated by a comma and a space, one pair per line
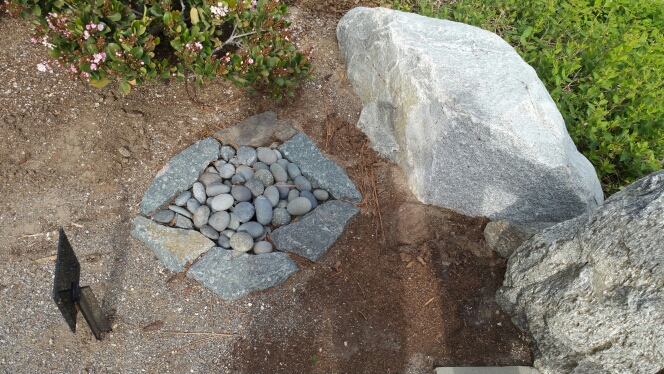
245, 41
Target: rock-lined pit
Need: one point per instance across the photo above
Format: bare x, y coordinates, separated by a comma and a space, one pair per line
240, 204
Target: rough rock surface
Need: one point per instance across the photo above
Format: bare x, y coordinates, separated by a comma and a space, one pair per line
314, 233
590, 290
174, 247
465, 117
234, 277
257, 130
505, 236
319, 170
179, 174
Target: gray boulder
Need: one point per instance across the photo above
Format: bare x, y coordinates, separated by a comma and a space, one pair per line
590, 291
179, 174
257, 130
233, 277
465, 117
505, 236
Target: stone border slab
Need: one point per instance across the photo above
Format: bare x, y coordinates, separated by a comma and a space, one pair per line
487, 370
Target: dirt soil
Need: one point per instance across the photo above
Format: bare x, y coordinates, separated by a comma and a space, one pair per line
406, 288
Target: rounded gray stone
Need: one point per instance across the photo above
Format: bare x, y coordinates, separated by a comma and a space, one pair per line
247, 155
262, 247
199, 192
266, 155
182, 198
227, 152
220, 220
271, 193
282, 204
192, 205
222, 202
321, 195
260, 165
302, 183
293, 170
233, 161
254, 229
217, 164
279, 173
209, 232
283, 190
241, 193
279, 155
183, 222
234, 223
209, 178
211, 169
226, 171
228, 233
263, 210
299, 206
165, 216
238, 178
255, 186
244, 211
280, 217
265, 176
180, 210
224, 242
201, 216
245, 171
311, 198
283, 162
215, 189
242, 242
292, 195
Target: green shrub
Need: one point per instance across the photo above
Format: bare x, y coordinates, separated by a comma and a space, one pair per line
603, 63
245, 41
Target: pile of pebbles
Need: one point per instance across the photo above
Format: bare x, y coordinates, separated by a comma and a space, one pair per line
240, 198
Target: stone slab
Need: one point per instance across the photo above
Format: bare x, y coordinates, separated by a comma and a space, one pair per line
320, 170
257, 131
313, 234
179, 174
487, 370
174, 247
235, 277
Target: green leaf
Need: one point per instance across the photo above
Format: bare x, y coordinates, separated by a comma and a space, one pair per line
193, 13
100, 83
176, 44
115, 17
167, 17
137, 52
55, 53
124, 87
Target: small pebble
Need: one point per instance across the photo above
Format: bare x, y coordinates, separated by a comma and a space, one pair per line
180, 210
244, 211
293, 194
237, 179
299, 206
182, 198
211, 169
226, 171
262, 247
233, 161
222, 202
183, 222
254, 229
228, 183
199, 192
283, 162
265, 176
260, 165
241, 193
266, 155
271, 193
234, 223
302, 183
164, 216
280, 217
263, 209
245, 171
311, 198
293, 170
279, 173
220, 220
209, 232
282, 204
215, 189
224, 242
227, 152
321, 195
192, 205
209, 178
227, 233
283, 190
219, 163
201, 216
242, 242
276, 152
255, 186
247, 155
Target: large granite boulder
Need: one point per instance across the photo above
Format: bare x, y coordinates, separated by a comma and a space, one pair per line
466, 118
590, 290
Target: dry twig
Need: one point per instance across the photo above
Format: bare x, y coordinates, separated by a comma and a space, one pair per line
375, 196
429, 302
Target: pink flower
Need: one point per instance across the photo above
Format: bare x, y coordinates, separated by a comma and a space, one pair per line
85, 75
41, 67
93, 66
86, 34
251, 61
100, 26
33, 40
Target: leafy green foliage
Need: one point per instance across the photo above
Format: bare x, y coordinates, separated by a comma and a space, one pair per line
245, 41
601, 60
